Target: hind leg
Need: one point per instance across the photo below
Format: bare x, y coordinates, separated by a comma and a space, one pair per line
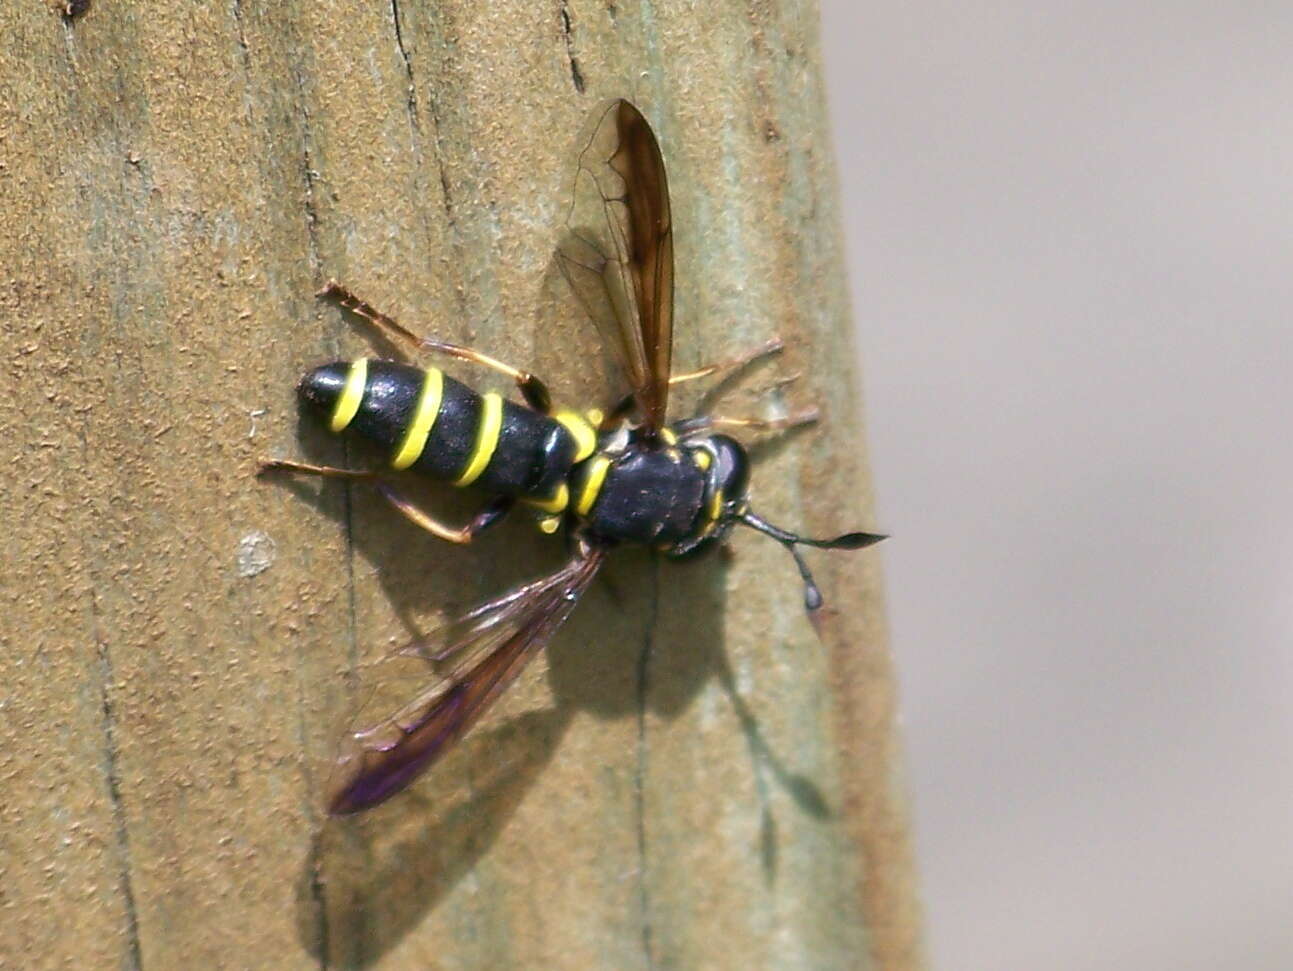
534, 391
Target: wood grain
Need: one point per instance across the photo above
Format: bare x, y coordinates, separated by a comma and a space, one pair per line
693, 780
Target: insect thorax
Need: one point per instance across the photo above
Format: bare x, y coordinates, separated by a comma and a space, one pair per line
676, 496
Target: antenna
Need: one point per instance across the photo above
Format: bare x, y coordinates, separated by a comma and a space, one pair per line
791, 541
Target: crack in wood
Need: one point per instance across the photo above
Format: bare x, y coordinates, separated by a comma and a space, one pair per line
319, 901
415, 122
309, 178
243, 49
576, 75
408, 64
639, 776
112, 775
447, 193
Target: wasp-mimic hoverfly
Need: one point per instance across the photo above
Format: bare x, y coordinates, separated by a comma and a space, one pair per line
626, 475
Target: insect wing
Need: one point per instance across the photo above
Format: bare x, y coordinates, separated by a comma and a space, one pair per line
618, 255
493, 642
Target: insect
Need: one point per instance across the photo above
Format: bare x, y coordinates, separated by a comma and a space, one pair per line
626, 475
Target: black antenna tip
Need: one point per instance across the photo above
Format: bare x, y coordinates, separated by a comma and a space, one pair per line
856, 541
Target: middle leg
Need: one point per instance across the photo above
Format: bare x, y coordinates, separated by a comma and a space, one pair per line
494, 511
766, 349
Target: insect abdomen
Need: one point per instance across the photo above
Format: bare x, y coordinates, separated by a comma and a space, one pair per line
439, 427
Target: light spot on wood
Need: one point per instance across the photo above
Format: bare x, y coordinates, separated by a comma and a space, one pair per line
256, 552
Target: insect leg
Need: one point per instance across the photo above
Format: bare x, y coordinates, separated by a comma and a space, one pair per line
617, 413
491, 514
487, 517
765, 349
534, 391
625, 405
284, 465
706, 423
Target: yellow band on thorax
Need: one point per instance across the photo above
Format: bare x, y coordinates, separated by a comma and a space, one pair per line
716, 505
352, 393
491, 423
592, 484
424, 416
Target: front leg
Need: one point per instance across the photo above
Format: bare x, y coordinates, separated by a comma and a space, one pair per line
766, 349
708, 423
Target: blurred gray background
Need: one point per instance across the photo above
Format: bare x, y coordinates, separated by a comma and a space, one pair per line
1070, 231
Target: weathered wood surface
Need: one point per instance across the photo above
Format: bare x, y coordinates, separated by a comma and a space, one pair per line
692, 781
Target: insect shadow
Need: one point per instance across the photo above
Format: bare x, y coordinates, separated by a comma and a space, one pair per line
646, 639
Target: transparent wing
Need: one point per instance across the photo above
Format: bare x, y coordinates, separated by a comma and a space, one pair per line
491, 644
618, 252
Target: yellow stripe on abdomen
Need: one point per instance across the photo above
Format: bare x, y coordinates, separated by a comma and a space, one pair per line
424, 416
491, 423
592, 484
352, 393
581, 431
557, 503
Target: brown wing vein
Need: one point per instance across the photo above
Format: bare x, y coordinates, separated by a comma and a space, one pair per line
620, 262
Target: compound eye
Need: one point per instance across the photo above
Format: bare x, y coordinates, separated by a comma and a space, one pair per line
733, 467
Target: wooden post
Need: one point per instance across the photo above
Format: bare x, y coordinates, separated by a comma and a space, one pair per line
692, 780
